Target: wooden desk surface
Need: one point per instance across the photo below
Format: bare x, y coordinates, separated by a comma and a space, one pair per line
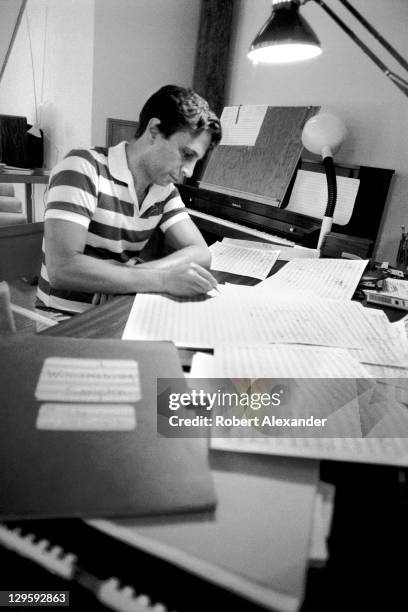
105, 321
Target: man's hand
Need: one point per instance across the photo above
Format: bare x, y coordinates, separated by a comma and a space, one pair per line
186, 279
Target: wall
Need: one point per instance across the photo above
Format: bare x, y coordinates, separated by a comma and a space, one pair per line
62, 43
61, 33
139, 46
343, 81
94, 60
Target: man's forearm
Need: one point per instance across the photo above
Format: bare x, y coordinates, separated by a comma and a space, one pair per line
84, 273
194, 253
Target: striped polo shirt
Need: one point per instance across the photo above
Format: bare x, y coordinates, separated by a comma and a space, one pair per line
95, 188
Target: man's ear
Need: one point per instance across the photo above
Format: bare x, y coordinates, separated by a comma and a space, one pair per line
153, 128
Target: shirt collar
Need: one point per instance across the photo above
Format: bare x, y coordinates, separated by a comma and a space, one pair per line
117, 162
119, 169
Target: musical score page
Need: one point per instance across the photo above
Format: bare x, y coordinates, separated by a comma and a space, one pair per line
245, 261
309, 196
335, 279
241, 124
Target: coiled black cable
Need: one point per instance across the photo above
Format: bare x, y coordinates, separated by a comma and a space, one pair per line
331, 186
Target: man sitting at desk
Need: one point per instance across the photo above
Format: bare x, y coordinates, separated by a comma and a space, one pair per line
104, 204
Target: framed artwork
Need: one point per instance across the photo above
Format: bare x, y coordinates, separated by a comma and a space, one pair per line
118, 130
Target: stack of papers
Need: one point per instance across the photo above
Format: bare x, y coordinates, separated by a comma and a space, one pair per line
298, 324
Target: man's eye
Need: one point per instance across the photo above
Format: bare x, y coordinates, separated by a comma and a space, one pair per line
188, 156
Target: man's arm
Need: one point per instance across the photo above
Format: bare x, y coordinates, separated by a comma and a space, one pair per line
189, 245
69, 268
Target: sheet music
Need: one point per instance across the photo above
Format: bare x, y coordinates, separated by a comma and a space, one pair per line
379, 424
309, 196
386, 451
207, 322
251, 317
245, 261
326, 278
385, 344
286, 361
241, 124
193, 323
285, 253
392, 372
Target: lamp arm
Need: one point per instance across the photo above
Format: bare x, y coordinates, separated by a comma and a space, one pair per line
401, 83
402, 62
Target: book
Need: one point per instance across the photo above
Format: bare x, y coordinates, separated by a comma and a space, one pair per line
118, 467
16, 170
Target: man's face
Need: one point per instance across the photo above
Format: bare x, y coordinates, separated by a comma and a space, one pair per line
169, 160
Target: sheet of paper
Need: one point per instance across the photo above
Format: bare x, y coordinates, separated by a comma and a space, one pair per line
326, 278
386, 451
285, 253
241, 124
318, 322
256, 263
202, 366
309, 196
89, 380
396, 287
392, 372
286, 361
383, 343
379, 423
253, 318
193, 323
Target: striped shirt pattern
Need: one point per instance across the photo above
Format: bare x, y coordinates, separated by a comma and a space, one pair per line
94, 187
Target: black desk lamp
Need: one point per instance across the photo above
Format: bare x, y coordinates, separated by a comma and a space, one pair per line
287, 37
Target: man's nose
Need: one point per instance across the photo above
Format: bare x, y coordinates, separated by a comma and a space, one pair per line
188, 169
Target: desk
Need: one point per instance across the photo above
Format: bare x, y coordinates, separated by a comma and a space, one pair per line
28, 180
257, 542
368, 546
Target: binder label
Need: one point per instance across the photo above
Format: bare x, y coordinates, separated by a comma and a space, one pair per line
86, 417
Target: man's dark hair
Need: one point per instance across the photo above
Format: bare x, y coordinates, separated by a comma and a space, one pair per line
179, 109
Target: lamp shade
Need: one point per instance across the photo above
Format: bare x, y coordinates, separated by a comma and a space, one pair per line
324, 134
285, 37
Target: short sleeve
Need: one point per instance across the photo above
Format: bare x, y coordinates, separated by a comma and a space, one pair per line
173, 211
72, 193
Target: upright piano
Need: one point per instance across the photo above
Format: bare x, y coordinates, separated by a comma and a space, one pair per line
218, 214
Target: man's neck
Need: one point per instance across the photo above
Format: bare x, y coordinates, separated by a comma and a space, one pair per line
134, 150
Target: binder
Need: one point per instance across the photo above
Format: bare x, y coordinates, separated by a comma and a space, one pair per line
59, 473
